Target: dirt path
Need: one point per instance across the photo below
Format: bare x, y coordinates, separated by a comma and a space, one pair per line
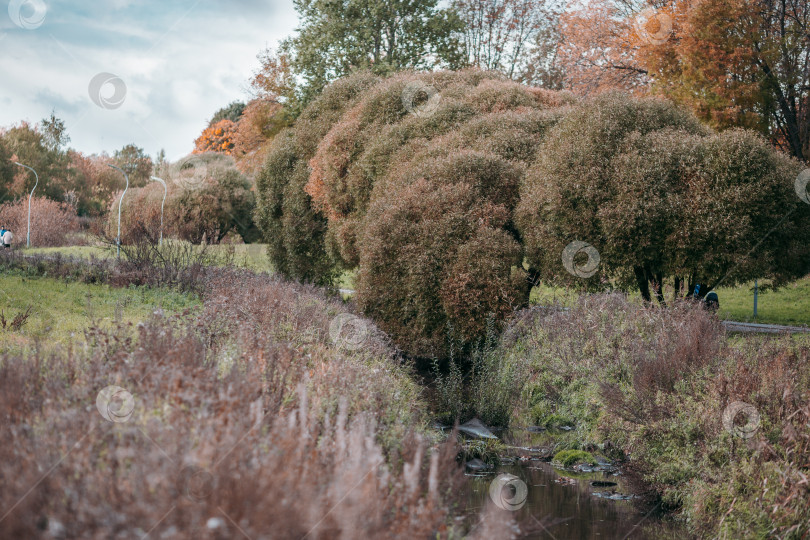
734, 326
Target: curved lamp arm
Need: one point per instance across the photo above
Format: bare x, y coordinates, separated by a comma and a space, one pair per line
28, 234
118, 239
165, 191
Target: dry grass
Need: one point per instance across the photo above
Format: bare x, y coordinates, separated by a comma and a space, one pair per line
247, 419
650, 385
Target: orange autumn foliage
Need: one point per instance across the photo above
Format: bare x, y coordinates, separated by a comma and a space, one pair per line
216, 138
735, 63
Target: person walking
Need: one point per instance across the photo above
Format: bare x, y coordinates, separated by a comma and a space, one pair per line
7, 237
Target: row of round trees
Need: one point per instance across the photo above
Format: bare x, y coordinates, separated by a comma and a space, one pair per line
451, 193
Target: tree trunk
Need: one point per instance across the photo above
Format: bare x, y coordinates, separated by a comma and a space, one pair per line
642, 282
659, 294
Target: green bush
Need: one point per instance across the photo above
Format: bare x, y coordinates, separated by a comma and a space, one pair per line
292, 228
660, 197
421, 202
437, 251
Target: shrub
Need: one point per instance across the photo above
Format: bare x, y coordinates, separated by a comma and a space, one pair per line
292, 228
654, 193
207, 198
380, 132
438, 252
421, 203
223, 204
650, 385
52, 223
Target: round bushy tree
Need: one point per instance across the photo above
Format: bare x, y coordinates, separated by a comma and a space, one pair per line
419, 192
436, 254
292, 228
658, 196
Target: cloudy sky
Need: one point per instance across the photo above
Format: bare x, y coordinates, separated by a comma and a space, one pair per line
169, 65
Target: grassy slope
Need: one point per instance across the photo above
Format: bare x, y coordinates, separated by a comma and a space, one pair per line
673, 430
60, 309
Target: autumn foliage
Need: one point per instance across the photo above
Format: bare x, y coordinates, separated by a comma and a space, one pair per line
735, 63
52, 223
451, 193
207, 199
216, 138
418, 194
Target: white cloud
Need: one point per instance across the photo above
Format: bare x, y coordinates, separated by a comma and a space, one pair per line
180, 62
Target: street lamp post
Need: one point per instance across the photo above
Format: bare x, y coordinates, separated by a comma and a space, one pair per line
118, 239
165, 191
28, 233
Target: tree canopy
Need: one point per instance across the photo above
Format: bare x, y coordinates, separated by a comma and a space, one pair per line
337, 37
450, 193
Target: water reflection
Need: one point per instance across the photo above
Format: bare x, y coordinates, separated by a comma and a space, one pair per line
565, 504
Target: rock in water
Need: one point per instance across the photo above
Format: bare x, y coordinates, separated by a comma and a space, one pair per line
476, 428
602, 483
476, 465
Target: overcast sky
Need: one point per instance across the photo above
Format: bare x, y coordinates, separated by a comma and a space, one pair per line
177, 61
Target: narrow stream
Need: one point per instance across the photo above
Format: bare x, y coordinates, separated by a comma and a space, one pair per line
582, 502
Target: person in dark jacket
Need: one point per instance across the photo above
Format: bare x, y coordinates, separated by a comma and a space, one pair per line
712, 301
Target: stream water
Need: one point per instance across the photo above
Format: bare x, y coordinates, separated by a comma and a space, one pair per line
589, 502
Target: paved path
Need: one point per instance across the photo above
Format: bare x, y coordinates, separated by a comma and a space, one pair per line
734, 326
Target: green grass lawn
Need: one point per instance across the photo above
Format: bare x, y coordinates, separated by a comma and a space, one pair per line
789, 305
60, 311
251, 256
